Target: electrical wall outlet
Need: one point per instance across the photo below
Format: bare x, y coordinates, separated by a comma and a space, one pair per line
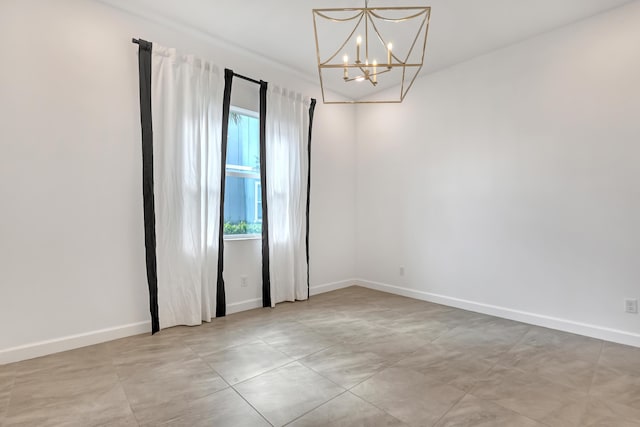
401, 270
631, 306
244, 281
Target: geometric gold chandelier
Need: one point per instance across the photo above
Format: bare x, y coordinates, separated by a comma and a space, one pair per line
362, 51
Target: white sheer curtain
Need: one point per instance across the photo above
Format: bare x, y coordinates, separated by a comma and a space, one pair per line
286, 172
186, 96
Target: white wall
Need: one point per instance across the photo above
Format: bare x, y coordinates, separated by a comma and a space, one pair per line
509, 180
71, 229
509, 183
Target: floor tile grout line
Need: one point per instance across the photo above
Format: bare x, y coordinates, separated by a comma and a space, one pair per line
8, 404
315, 407
470, 390
394, 364
292, 360
323, 376
470, 393
344, 389
316, 352
126, 395
195, 355
595, 370
124, 390
246, 379
275, 368
253, 407
450, 408
522, 370
374, 405
499, 359
509, 409
202, 355
177, 416
216, 372
385, 366
597, 363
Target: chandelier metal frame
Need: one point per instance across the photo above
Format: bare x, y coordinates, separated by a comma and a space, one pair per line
370, 72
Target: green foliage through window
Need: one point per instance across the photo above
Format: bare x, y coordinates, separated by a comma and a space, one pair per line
242, 227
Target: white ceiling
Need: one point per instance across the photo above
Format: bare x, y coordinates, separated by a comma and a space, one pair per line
282, 30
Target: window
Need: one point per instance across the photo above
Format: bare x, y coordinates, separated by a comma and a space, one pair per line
243, 191
258, 204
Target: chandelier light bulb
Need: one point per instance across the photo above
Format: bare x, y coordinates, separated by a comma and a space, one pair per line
375, 72
345, 74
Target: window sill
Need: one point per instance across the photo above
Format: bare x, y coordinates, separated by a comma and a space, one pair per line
234, 237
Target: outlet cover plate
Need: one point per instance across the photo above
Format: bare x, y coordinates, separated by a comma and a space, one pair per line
631, 306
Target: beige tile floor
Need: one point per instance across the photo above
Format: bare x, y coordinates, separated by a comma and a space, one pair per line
353, 357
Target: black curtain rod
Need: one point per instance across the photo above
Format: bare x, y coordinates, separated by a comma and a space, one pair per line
249, 79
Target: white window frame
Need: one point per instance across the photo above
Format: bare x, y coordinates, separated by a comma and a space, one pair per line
239, 171
257, 190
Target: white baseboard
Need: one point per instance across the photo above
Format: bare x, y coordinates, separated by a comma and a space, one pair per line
249, 304
70, 342
328, 287
594, 331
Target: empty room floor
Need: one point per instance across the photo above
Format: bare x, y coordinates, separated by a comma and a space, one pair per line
348, 357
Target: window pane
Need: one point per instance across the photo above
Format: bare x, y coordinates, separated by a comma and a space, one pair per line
258, 201
243, 143
243, 197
